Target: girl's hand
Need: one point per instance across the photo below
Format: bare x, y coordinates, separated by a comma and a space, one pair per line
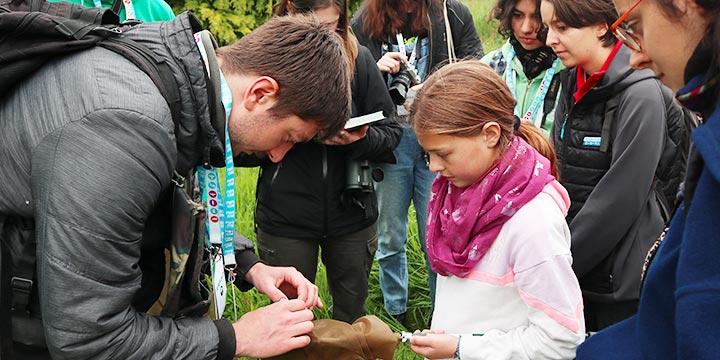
434, 345
390, 62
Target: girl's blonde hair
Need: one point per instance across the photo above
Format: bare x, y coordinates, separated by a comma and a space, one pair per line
460, 98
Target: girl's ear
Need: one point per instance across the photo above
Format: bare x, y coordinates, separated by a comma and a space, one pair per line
601, 29
491, 134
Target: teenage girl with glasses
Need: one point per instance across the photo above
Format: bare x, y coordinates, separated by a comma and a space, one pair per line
679, 309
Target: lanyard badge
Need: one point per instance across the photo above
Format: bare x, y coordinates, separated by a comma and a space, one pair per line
220, 203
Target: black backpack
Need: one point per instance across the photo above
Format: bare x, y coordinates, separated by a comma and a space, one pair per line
672, 166
33, 32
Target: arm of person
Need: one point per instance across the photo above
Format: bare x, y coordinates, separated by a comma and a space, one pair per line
617, 200
95, 183
697, 294
555, 320
465, 36
546, 284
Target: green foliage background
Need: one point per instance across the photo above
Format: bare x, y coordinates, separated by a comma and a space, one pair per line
229, 20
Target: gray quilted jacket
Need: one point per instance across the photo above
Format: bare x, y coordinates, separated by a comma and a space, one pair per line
87, 149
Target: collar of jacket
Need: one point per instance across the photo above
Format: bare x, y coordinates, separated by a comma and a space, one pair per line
197, 134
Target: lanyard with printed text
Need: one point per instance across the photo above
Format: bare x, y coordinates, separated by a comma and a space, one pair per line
220, 225
401, 47
129, 8
532, 112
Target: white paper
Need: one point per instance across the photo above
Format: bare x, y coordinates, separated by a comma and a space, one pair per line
365, 119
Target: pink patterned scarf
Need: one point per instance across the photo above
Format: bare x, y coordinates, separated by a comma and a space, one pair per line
463, 223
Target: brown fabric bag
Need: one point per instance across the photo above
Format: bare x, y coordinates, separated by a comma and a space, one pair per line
367, 338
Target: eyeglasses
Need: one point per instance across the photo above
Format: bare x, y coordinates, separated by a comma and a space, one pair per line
624, 33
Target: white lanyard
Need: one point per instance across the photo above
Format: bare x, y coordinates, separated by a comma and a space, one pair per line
129, 8
532, 113
401, 47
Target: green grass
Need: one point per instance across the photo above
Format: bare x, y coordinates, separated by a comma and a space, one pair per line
486, 27
419, 305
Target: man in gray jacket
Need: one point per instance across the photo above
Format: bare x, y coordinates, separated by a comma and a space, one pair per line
88, 148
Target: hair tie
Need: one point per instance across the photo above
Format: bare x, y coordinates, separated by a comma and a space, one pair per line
516, 125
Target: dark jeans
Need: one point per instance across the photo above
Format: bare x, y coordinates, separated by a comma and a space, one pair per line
348, 260
601, 315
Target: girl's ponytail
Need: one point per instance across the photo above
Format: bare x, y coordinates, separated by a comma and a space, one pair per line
537, 139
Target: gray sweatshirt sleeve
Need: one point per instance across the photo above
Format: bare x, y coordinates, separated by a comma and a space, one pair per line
95, 182
618, 199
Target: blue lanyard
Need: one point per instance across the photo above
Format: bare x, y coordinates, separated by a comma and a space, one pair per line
532, 112
220, 223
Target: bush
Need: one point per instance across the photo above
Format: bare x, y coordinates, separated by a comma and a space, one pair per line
229, 20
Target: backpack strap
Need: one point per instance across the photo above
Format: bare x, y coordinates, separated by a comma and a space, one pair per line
16, 281
667, 210
36, 5
21, 283
6, 343
116, 5
153, 65
610, 108
550, 98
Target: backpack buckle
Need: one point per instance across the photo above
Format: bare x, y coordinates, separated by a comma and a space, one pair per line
21, 284
21, 289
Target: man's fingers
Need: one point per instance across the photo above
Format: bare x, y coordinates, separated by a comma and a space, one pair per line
295, 305
297, 342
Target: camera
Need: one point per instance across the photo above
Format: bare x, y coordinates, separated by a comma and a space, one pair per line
360, 176
401, 82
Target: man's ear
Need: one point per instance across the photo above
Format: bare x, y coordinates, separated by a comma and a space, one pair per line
491, 133
261, 92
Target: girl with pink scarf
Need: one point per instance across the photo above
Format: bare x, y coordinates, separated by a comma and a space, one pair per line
496, 231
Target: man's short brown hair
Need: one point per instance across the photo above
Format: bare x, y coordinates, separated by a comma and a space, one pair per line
306, 59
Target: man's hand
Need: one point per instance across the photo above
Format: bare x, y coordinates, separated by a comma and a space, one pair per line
280, 283
435, 345
273, 330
